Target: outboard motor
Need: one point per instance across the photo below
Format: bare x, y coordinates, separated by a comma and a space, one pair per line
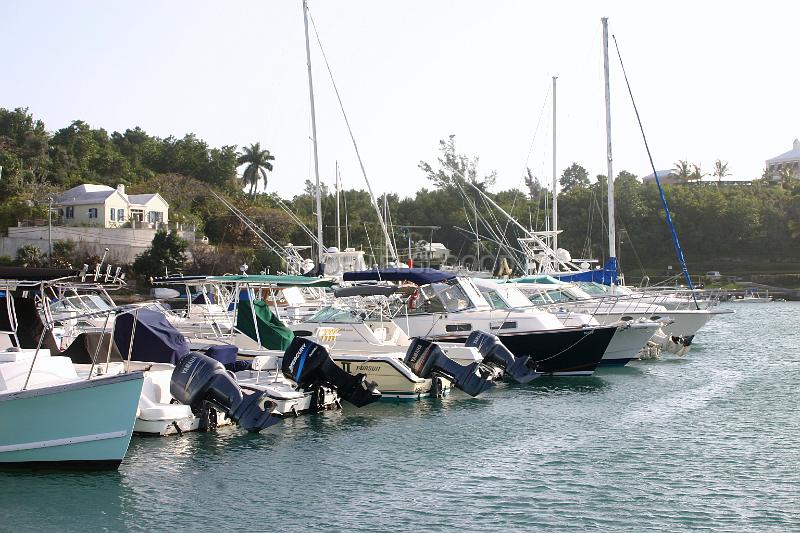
199, 379
309, 364
494, 352
427, 360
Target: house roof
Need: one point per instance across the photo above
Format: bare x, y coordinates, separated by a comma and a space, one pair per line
86, 194
140, 199
661, 174
791, 155
97, 194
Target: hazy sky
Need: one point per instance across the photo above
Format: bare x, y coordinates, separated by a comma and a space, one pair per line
712, 80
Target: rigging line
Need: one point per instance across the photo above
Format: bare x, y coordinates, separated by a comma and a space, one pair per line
375, 258
528, 156
251, 226
676, 242
296, 219
352, 136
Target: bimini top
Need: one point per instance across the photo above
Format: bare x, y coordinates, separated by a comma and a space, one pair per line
35, 274
258, 279
420, 276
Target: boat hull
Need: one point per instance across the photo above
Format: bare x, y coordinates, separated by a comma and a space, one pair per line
564, 352
85, 424
627, 342
393, 380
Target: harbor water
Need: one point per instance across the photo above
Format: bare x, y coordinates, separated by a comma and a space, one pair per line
710, 440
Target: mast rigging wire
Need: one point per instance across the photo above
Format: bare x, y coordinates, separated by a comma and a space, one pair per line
676, 242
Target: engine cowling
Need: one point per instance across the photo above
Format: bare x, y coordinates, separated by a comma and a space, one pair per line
199, 379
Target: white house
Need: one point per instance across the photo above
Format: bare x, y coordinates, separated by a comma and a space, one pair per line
100, 205
787, 160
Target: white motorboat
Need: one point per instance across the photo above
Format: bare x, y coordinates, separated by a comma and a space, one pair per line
629, 340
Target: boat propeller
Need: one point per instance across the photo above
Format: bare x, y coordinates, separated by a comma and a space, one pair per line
199, 379
521, 369
427, 360
309, 364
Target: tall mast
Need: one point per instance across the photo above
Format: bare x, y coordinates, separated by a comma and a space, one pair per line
612, 230
320, 247
555, 171
338, 218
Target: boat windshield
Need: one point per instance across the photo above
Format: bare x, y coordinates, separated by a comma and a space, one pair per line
494, 299
593, 288
451, 294
339, 315
84, 303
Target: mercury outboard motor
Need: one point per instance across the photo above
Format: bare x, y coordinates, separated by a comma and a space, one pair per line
310, 365
199, 379
494, 352
427, 360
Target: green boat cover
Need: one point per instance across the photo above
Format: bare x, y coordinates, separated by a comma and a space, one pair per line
273, 333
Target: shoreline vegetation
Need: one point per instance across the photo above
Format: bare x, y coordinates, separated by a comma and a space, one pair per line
746, 230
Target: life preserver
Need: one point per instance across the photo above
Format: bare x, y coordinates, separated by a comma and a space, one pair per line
413, 299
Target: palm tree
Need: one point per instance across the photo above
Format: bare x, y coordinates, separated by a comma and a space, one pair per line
720, 171
697, 174
682, 170
258, 163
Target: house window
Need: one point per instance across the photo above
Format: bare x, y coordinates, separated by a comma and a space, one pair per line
155, 216
93, 212
70, 212
120, 215
113, 214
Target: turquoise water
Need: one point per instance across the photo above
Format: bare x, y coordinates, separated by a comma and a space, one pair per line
707, 441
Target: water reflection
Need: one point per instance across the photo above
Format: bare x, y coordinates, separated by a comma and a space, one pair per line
28, 496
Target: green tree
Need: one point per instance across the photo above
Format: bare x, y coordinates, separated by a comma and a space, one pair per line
63, 254
455, 169
533, 185
258, 163
683, 170
165, 255
574, 176
720, 170
696, 174
30, 256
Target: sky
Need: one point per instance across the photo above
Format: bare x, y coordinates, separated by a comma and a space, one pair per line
712, 80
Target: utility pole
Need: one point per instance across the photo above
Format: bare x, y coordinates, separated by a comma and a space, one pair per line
50, 230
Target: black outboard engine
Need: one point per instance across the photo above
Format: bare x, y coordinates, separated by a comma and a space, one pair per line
521, 369
310, 365
199, 379
427, 360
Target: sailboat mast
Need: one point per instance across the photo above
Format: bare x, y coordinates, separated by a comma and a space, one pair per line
612, 230
555, 171
338, 217
320, 247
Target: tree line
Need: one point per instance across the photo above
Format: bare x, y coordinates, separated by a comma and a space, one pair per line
759, 221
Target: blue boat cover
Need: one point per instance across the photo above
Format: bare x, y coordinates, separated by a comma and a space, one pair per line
224, 353
420, 276
203, 300
606, 276
155, 339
